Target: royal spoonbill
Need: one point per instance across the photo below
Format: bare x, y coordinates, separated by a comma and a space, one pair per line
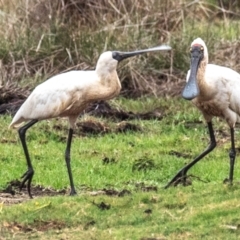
215, 91
67, 95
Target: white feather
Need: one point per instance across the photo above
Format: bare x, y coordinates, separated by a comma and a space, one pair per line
68, 93
219, 90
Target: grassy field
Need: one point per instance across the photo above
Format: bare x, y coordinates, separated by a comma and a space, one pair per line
119, 172
123, 198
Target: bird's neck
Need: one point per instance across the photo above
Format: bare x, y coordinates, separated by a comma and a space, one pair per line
202, 84
108, 87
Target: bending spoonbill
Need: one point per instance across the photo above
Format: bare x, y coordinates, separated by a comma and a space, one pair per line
67, 95
215, 90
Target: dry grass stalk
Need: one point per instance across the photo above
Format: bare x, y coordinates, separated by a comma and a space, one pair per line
41, 38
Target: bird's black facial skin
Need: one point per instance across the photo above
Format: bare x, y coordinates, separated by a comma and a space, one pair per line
117, 56
196, 52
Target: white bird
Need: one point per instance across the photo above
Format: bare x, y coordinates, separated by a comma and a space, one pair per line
67, 95
215, 91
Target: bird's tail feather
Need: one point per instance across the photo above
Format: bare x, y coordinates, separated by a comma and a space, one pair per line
16, 123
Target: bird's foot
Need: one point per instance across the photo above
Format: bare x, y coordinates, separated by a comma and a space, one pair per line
73, 192
27, 177
179, 178
227, 181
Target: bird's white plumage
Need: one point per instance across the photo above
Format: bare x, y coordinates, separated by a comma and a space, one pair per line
199, 41
67, 94
47, 98
219, 90
106, 64
215, 91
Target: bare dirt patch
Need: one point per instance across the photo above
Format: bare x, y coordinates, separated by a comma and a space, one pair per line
11, 194
111, 192
36, 226
104, 109
11, 98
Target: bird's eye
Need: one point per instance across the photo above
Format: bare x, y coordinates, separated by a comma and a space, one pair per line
190, 49
201, 48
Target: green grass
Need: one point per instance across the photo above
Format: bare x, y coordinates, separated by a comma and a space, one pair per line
207, 209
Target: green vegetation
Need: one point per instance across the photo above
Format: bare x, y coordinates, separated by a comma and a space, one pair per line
139, 164
119, 175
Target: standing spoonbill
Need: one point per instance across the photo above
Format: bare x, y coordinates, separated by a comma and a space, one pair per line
67, 95
215, 91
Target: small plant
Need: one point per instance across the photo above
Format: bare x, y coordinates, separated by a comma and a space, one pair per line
107, 160
143, 164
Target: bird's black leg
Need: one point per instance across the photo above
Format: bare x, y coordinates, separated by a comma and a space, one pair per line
68, 159
232, 155
181, 175
28, 175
